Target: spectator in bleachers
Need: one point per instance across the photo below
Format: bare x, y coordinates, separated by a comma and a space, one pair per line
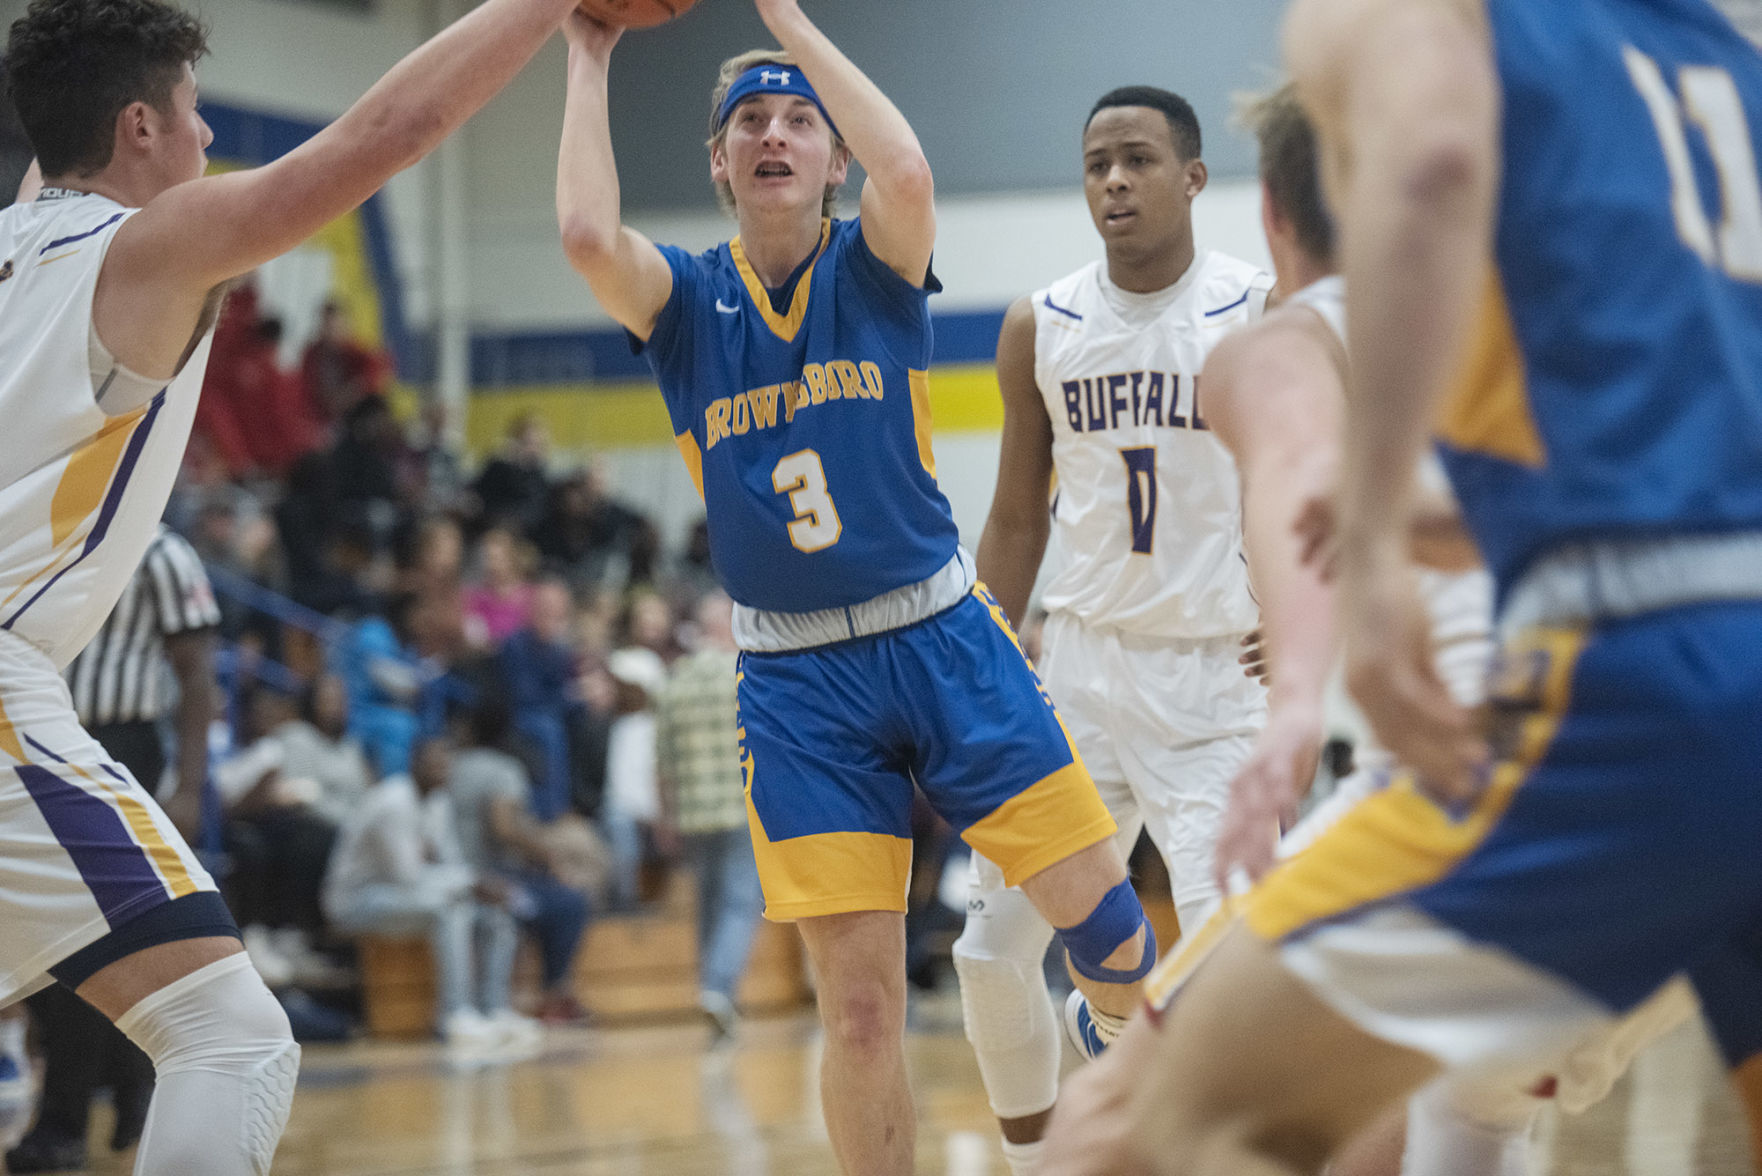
514, 485
220, 413
337, 371
437, 471
285, 791
399, 869
366, 463
382, 660
693, 575
270, 403
632, 805
591, 538
499, 604
492, 796
703, 799
649, 624
431, 555
538, 668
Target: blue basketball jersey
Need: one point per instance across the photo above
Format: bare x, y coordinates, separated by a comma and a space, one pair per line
1614, 383
807, 430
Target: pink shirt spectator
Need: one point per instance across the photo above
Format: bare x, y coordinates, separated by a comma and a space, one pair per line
492, 617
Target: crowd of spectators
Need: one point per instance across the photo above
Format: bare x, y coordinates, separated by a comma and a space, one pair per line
441, 687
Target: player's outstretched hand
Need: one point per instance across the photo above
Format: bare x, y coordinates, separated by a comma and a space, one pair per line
1265, 792
592, 37
1391, 675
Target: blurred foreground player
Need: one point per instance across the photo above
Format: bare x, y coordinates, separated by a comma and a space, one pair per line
794, 361
1485, 914
109, 285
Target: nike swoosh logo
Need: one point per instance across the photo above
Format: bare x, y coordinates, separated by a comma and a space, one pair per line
724, 309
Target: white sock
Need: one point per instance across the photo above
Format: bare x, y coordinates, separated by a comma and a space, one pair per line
1107, 1026
1023, 1158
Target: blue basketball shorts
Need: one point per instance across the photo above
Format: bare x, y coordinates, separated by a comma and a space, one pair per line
1616, 844
833, 739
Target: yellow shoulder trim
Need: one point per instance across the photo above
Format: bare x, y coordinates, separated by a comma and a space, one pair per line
1488, 408
783, 326
694, 459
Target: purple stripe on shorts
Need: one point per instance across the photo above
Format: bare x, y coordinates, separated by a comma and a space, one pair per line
113, 866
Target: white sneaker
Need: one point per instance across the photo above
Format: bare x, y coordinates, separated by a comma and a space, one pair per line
513, 1029
1080, 1027
469, 1028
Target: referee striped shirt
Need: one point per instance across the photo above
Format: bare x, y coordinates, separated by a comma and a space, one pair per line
122, 676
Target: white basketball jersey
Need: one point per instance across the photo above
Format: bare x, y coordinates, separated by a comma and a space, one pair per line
81, 489
1148, 517
1460, 603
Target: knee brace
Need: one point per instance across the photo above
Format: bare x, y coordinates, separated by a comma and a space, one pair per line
1007, 1011
1113, 922
226, 1061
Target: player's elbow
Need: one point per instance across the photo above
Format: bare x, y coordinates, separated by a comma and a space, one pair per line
1446, 168
588, 243
907, 177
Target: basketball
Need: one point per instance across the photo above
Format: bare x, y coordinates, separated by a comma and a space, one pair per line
635, 14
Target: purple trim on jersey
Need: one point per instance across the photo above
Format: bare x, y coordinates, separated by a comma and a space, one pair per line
1051, 305
131, 456
81, 236
1231, 306
114, 868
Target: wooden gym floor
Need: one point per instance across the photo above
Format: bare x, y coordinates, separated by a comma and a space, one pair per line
624, 1102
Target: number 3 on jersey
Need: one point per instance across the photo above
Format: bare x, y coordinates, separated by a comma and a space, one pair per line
803, 478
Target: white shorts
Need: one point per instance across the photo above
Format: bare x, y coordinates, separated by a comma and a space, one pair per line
83, 848
1162, 725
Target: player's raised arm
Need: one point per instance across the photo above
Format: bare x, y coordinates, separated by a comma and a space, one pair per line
167, 259
628, 275
1404, 95
899, 197
1014, 540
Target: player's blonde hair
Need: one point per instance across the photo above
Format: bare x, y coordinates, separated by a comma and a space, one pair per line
725, 79
1290, 165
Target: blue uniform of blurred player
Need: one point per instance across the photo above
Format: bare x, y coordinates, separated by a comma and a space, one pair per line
1552, 230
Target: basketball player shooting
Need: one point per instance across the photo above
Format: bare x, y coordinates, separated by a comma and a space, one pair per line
110, 281
794, 364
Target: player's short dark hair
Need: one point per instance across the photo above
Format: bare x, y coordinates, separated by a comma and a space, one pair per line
74, 65
1183, 123
1290, 167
